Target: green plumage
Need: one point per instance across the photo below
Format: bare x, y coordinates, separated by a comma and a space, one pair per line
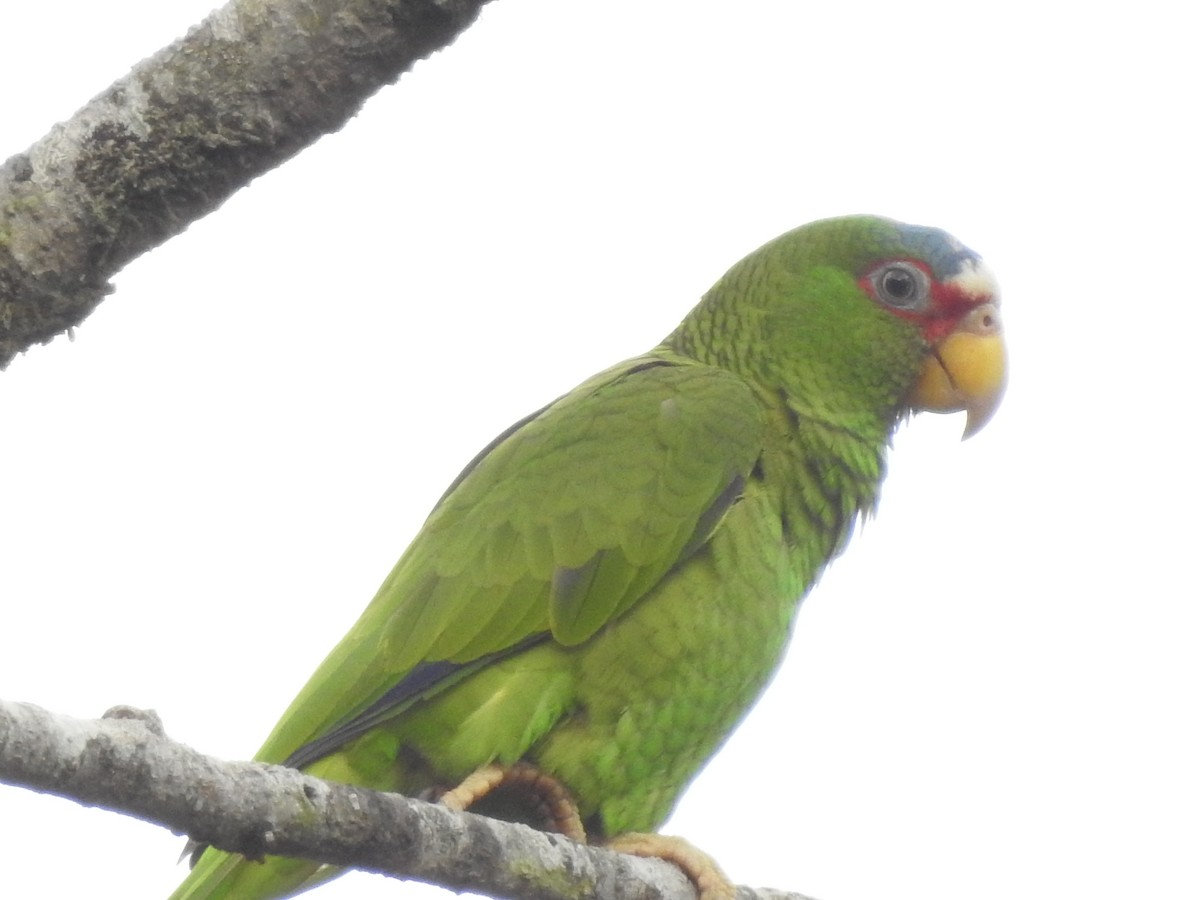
608, 586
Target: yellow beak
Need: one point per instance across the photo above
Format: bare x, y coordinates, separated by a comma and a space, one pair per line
967, 370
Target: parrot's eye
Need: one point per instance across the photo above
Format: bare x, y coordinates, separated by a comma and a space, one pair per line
901, 285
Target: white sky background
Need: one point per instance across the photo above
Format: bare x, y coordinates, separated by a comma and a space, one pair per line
993, 694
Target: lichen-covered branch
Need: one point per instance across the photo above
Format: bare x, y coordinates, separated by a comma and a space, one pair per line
254, 83
125, 763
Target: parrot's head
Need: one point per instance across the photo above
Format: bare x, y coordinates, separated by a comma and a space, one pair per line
938, 286
866, 319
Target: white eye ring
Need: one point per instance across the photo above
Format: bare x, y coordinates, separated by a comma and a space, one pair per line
901, 285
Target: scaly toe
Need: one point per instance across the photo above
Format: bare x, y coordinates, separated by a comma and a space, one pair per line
711, 883
546, 795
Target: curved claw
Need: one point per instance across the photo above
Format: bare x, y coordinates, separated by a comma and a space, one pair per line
711, 883
545, 794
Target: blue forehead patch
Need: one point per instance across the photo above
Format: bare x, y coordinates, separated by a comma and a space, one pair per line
946, 256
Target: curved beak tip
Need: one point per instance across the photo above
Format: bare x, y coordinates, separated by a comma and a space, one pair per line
967, 371
980, 414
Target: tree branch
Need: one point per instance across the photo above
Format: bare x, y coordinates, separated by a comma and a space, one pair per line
124, 762
246, 89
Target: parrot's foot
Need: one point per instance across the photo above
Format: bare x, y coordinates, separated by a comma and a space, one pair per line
545, 794
711, 883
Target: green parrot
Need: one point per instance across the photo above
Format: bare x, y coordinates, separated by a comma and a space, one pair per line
602, 594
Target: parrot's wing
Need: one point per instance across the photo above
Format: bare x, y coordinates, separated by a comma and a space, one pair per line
561, 524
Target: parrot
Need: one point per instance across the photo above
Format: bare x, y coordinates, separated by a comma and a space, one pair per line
604, 591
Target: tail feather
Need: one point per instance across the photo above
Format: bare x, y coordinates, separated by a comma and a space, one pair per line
227, 876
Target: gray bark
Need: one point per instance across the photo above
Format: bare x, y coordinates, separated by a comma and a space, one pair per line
125, 763
253, 84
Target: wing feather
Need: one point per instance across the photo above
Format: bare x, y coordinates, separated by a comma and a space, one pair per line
563, 523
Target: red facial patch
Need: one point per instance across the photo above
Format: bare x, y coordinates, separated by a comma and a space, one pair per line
947, 303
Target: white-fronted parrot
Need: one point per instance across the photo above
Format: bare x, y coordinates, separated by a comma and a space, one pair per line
600, 596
